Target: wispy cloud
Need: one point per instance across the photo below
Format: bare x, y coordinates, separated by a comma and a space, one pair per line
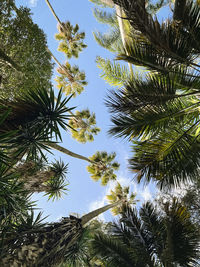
111, 185
33, 3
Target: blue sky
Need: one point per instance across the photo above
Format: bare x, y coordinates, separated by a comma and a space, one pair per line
84, 194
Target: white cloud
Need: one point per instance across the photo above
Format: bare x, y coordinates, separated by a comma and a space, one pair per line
33, 3
143, 194
111, 185
98, 204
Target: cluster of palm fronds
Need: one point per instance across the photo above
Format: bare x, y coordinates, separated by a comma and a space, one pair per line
154, 237
159, 111
28, 125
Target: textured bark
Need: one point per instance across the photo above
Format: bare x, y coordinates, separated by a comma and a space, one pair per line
47, 245
36, 183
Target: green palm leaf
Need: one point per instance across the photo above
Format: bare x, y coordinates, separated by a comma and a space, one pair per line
170, 158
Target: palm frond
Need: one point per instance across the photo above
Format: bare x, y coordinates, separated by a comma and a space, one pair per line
181, 235
153, 224
105, 17
112, 252
110, 40
153, 119
164, 38
113, 73
170, 158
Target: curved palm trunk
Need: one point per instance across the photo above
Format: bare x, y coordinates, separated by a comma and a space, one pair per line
88, 217
53, 12
68, 152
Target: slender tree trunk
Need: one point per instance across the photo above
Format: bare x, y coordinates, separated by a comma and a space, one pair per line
68, 75
89, 216
53, 12
68, 152
119, 13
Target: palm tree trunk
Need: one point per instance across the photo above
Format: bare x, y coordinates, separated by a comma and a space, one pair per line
68, 152
68, 75
33, 182
89, 216
179, 8
119, 13
53, 12
108, 3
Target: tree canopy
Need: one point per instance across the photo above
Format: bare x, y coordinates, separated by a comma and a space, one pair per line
25, 62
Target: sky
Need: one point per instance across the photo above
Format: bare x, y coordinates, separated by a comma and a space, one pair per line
83, 193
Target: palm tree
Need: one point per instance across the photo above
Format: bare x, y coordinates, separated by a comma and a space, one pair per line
83, 126
71, 40
72, 80
102, 167
120, 192
34, 118
46, 245
159, 112
47, 178
119, 28
162, 237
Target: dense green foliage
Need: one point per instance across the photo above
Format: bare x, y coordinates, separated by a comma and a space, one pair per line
159, 111
24, 61
153, 238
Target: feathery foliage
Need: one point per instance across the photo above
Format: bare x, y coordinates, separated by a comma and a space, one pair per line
113, 73
118, 193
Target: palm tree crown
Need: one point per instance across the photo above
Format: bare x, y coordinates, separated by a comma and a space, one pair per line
159, 112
